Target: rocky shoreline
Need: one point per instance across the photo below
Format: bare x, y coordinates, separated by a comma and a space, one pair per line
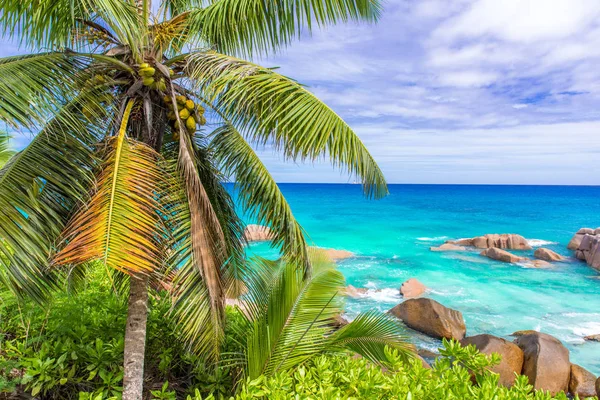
541, 357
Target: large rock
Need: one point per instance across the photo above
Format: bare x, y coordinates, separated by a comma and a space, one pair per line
502, 255
412, 288
448, 247
512, 355
432, 318
547, 255
257, 233
546, 362
589, 250
576, 239
598, 387
582, 382
501, 241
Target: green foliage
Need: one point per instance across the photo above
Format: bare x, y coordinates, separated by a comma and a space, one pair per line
73, 347
289, 317
340, 377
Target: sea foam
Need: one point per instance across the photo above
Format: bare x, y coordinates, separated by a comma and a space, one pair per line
539, 242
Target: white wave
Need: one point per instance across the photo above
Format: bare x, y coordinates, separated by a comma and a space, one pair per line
539, 242
371, 285
384, 295
432, 239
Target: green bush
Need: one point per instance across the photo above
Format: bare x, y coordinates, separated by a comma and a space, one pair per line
340, 377
73, 349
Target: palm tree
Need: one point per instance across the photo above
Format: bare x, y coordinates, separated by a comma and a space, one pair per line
125, 168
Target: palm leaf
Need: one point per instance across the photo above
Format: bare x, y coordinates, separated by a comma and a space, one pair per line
119, 224
5, 151
34, 86
272, 108
294, 323
251, 27
259, 192
369, 334
39, 187
53, 23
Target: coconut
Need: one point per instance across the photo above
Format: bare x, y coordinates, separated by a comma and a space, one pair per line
144, 65
184, 114
201, 120
181, 99
162, 86
148, 81
190, 124
200, 110
147, 71
190, 105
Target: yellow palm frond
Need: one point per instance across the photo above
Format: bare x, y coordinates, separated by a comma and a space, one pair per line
119, 224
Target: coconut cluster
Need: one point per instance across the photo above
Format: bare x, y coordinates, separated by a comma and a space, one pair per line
148, 78
92, 36
189, 113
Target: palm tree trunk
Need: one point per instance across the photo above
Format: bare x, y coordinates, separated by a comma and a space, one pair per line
135, 339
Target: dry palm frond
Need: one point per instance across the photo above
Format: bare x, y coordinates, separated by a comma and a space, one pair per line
119, 224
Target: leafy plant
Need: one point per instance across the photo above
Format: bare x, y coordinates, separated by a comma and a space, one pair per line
289, 318
336, 377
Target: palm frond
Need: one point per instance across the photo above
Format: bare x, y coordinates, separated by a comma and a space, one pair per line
5, 151
259, 192
39, 188
293, 326
258, 27
369, 334
52, 23
271, 108
197, 308
120, 224
34, 86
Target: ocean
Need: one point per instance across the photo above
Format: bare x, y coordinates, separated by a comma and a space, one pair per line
391, 238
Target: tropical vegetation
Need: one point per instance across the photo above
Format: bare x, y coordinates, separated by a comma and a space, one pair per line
140, 111
73, 349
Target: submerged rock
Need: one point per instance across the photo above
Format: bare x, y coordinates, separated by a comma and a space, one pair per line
355, 292
500, 241
546, 362
540, 264
547, 255
338, 254
502, 255
257, 233
432, 318
448, 247
512, 355
582, 382
412, 288
593, 338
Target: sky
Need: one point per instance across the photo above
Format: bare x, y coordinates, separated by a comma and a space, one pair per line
458, 91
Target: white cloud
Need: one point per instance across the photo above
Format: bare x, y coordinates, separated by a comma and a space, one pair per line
522, 20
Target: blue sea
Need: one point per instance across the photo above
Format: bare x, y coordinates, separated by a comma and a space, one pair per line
391, 239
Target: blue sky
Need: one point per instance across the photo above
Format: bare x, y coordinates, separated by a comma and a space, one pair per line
460, 91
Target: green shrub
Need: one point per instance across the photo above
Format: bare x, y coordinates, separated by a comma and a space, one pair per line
73, 348
342, 377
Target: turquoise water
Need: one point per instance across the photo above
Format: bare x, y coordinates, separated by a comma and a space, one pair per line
391, 240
